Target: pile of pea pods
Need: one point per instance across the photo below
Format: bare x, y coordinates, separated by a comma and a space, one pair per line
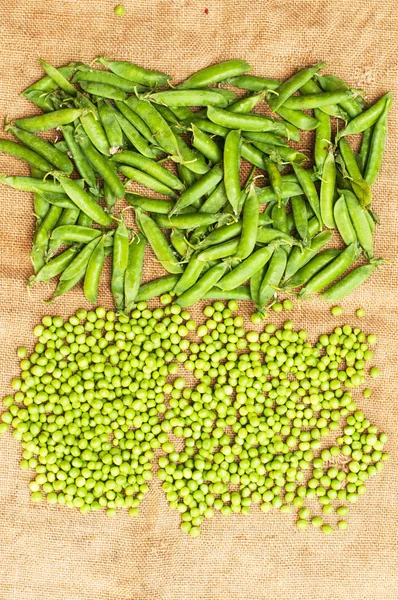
190, 144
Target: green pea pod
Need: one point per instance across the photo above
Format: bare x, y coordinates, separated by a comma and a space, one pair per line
252, 155
78, 266
208, 147
210, 127
365, 148
274, 178
377, 144
75, 233
249, 225
111, 125
221, 251
331, 272
323, 137
270, 139
251, 122
109, 197
216, 201
365, 119
31, 184
43, 232
58, 78
247, 268
360, 222
203, 285
158, 243
289, 189
343, 222
187, 220
298, 118
308, 188
133, 275
255, 283
177, 98
26, 154
54, 156
157, 287
317, 100
198, 189
281, 154
135, 120
247, 104
149, 166
351, 282
40, 204
179, 242
273, 276
299, 258
232, 169
88, 74
41, 99
292, 85
68, 217
135, 73
82, 165
50, 120
300, 217
119, 263
279, 218
152, 205
253, 83
190, 276
190, 157
55, 266
331, 109
327, 190
316, 264
147, 180
134, 137
47, 84
359, 185
95, 132
329, 83
93, 272
159, 128
103, 90
215, 74
242, 292
85, 201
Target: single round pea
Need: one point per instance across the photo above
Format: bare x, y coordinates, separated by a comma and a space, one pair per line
360, 313
374, 372
287, 304
336, 311
342, 525
256, 318
327, 529
316, 522
367, 392
302, 524
277, 307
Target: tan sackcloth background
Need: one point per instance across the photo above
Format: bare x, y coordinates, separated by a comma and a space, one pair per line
52, 553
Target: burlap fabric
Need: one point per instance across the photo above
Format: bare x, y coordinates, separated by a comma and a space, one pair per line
52, 553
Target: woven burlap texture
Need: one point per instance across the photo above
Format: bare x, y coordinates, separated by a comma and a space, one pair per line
52, 553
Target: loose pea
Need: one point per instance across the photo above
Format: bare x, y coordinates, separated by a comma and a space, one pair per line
367, 392
336, 311
119, 10
374, 372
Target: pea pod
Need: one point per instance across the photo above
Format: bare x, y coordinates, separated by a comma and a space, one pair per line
103, 90
318, 262
377, 144
323, 137
50, 120
247, 104
242, 292
343, 222
300, 257
198, 189
300, 217
41, 99
254, 285
82, 165
135, 73
208, 147
55, 266
251, 122
308, 188
156, 123
249, 225
111, 125
298, 119
279, 219
78, 266
351, 282
157, 287
331, 272
210, 127
273, 276
253, 83
134, 137
94, 130
42, 234
280, 154
109, 197
149, 166
365, 148
136, 120
365, 119
75, 233
317, 100
331, 109
158, 243
291, 85
327, 190
133, 274
47, 84
26, 154
46, 149
40, 204
270, 139
190, 97
58, 78
221, 251
68, 217
203, 285
145, 179
359, 185
93, 272
179, 242
215, 74
329, 83
152, 205
88, 74
190, 276
85, 201
190, 157
216, 201
232, 169
360, 222
246, 268
289, 189
274, 178
187, 220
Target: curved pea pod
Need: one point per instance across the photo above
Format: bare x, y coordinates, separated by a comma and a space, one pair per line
242, 292
220, 251
247, 103
103, 90
280, 154
332, 271
41, 99
377, 144
216, 201
365, 148
210, 127
308, 188
58, 77
133, 274
101, 165
215, 74
136, 120
327, 190
300, 257
254, 285
267, 235
93, 272
201, 187
300, 218
47, 84
95, 132
145, 179
31, 184
208, 147
252, 155
134, 137
26, 154
40, 204
190, 276
323, 137
56, 157
203, 285
360, 187
157, 287
232, 169
298, 118
331, 109
247, 268
86, 73
273, 276
42, 234
190, 158
78, 266
75, 233
119, 263
55, 266
317, 100
109, 197
135, 73
179, 242
279, 218
149, 166
68, 217
111, 126
343, 222
250, 122
249, 225
365, 119
82, 165
158, 126
316, 264
177, 98
289, 189
360, 222
252, 83
50, 120
85, 201
152, 205
188, 220
158, 243
351, 282
291, 85
329, 83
